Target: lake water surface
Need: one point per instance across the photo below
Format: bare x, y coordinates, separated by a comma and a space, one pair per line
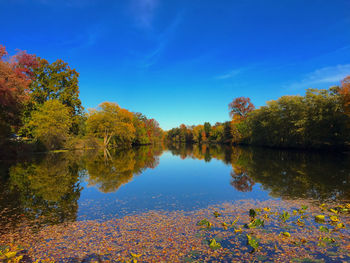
50, 189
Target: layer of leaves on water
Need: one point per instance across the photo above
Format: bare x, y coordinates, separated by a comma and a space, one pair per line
183, 236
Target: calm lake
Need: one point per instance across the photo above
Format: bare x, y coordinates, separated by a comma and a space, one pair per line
50, 189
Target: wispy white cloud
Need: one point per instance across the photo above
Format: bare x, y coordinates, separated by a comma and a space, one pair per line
144, 12
230, 74
85, 39
326, 75
150, 58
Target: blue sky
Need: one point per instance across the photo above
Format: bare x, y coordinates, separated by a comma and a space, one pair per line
183, 61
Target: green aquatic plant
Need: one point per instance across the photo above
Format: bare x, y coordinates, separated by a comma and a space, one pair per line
326, 241
252, 242
252, 213
304, 207
204, 222
255, 223
324, 229
214, 245
284, 216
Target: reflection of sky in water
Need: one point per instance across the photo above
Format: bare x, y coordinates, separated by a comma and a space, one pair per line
175, 184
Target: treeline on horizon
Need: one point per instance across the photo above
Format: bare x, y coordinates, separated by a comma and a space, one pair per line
40, 108
320, 119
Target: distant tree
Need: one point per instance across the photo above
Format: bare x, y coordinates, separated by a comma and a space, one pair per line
240, 106
344, 91
207, 128
311, 121
203, 137
227, 136
239, 109
50, 124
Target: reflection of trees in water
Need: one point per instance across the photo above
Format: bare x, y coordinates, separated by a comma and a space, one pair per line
292, 174
287, 174
47, 189
241, 181
120, 167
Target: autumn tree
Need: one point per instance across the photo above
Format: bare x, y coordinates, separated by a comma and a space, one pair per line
311, 121
240, 106
50, 124
55, 81
16, 74
111, 123
207, 128
344, 91
239, 109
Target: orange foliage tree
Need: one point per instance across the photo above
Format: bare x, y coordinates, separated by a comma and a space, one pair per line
16, 74
344, 91
239, 109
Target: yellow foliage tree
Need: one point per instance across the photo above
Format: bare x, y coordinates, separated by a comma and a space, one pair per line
111, 122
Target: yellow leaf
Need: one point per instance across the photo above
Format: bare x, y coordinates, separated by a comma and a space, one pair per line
135, 255
340, 225
238, 230
286, 234
320, 218
334, 218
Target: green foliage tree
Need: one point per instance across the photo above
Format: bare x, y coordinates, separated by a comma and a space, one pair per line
50, 124
315, 120
207, 129
55, 81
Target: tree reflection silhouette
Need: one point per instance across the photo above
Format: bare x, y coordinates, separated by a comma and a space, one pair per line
46, 189
285, 174
110, 173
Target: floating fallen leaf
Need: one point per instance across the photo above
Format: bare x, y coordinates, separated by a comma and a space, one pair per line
135, 255
216, 214
334, 218
340, 225
320, 218
224, 225
286, 234
333, 211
